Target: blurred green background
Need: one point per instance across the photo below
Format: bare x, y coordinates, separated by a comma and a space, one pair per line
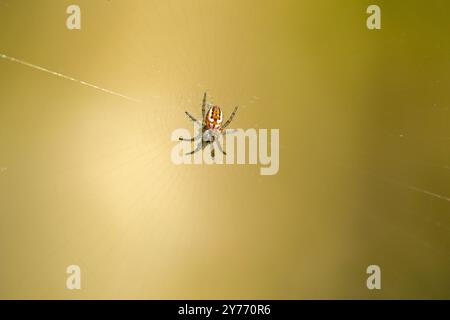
86, 176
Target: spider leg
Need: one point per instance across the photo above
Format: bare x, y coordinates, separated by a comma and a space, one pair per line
191, 117
204, 106
191, 139
184, 139
199, 147
225, 132
230, 119
220, 147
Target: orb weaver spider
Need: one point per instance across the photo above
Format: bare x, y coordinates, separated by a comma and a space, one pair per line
211, 126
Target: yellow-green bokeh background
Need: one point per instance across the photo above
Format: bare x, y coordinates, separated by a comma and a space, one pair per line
86, 177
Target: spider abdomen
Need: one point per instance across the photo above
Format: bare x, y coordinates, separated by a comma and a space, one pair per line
214, 118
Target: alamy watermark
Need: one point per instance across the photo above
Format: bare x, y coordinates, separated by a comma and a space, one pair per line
374, 280
206, 143
73, 281
235, 148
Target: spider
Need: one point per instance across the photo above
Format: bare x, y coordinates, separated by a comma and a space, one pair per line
212, 127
